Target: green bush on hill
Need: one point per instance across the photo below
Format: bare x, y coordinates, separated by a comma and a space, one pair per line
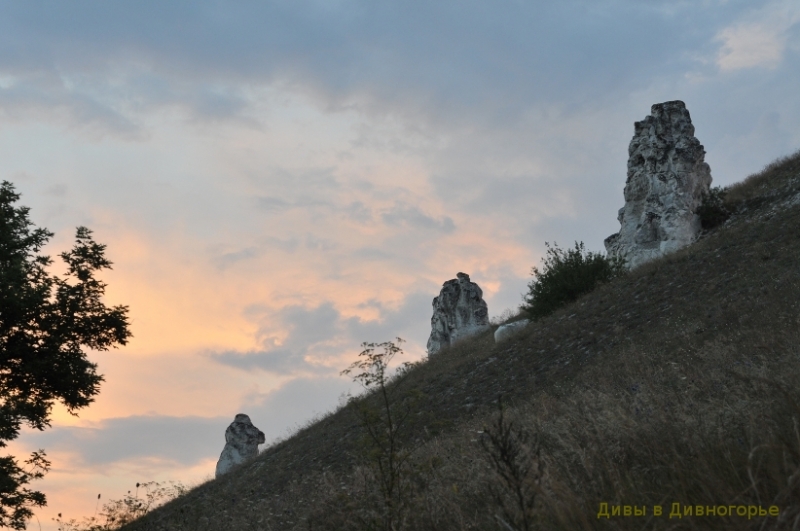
566, 275
712, 211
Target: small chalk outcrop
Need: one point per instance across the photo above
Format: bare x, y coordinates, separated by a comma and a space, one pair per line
458, 312
505, 331
241, 443
667, 178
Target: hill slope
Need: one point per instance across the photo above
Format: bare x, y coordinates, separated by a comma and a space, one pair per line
677, 383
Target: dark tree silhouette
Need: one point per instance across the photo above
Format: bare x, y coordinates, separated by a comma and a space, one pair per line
45, 321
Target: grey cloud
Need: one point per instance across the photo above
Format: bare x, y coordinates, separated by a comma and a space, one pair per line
321, 179
371, 254
255, 310
295, 188
419, 57
279, 361
748, 120
229, 259
185, 441
358, 212
486, 194
528, 206
220, 105
271, 204
276, 204
311, 328
294, 404
319, 244
288, 245
307, 328
474, 71
511, 292
34, 99
405, 214
57, 190
182, 440
410, 321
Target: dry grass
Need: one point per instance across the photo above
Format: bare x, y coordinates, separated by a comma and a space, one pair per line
677, 383
779, 179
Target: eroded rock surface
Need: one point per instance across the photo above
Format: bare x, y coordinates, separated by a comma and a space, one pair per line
458, 312
667, 178
241, 443
505, 331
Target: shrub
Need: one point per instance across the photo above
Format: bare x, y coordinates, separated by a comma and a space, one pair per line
117, 513
566, 275
712, 211
385, 425
515, 458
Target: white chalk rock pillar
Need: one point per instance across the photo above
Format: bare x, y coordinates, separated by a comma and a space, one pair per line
241, 443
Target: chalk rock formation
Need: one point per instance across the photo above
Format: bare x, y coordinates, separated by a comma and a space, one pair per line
458, 312
667, 178
241, 443
507, 330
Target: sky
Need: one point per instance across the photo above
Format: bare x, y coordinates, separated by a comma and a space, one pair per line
279, 182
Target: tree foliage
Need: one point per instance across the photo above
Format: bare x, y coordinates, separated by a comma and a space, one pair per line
566, 275
385, 425
45, 322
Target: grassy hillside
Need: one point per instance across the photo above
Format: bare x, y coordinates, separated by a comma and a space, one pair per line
678, 383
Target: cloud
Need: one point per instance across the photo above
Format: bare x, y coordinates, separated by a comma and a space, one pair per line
358, 212
426, 61
315, 338
750, 45
306, 329
282, 411
277, 360
760, 40
314, 243
57, 190
180, 440
48, 98
405, 214
186, 441
410, 320
371, 254
228, 259
294, 188
271, 204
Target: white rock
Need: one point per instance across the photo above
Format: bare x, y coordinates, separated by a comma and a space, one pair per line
667, 177
241, 443
458, 312
507, 330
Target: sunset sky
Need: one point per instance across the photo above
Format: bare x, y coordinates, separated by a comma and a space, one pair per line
278, 182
